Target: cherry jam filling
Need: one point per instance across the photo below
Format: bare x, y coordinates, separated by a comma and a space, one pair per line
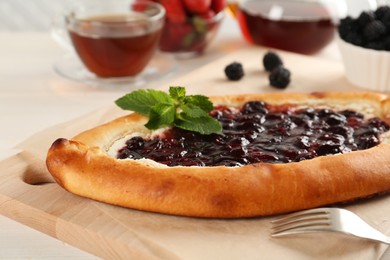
260, 132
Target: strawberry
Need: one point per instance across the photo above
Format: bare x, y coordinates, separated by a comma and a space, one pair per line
140, 5
180, 32
218, 5
174, 10
175, 35
197, 6
207, 15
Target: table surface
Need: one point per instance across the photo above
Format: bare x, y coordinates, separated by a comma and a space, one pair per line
33, 97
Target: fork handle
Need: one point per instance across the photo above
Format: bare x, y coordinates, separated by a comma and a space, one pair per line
376, 236
371, 233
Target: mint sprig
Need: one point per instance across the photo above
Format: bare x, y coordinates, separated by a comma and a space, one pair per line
174, 109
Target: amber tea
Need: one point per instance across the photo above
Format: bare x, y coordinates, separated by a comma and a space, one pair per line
109, 47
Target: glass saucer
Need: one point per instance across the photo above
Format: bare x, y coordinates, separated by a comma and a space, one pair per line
70, 66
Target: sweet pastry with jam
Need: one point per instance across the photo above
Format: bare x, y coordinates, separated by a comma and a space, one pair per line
276, 153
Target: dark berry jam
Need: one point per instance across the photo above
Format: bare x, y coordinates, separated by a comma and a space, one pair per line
260, 132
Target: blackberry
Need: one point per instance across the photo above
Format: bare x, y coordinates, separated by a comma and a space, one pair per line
355, 39
271, 61
375, 45
280, 77
386, 21
374, 30
234, 71
386, 43
365, 18
347, 25
381, 12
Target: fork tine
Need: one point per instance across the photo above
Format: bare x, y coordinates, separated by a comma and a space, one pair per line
301, 222
300, 218
313, 224
300, 214
301, 230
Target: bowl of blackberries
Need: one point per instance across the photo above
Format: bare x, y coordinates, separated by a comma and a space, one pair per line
364, 43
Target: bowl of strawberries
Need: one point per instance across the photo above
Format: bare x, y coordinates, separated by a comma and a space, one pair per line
190, 25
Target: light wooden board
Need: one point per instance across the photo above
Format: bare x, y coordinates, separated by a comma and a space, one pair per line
28, 194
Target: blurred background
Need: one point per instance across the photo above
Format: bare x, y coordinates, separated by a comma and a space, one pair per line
35, 15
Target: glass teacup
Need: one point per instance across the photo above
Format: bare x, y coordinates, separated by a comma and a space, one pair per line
116, 38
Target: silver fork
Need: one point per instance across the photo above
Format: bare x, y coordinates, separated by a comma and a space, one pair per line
326, 219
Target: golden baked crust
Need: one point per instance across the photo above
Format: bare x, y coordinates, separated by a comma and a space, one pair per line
83, 167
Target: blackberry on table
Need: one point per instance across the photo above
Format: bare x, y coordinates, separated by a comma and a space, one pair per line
234, 71
280, 77
271, 61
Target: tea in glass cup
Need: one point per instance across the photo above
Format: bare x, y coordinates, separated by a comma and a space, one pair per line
116, 38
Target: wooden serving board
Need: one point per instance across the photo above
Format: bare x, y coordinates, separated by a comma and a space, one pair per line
29, 195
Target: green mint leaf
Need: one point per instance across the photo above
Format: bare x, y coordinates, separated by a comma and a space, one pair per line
161, 115
192, 110
177, 93
174, 109
142, 101
200, 101
203, 125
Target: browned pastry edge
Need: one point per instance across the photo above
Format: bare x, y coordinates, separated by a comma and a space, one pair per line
82, 166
